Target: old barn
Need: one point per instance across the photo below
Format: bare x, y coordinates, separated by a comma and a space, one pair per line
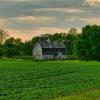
44, 49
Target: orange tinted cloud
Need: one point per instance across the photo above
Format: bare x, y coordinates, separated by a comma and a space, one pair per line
92, 2
38, 19
91, 20
3, 21
67, 10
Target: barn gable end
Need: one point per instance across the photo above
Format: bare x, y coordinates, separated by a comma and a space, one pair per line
37, 51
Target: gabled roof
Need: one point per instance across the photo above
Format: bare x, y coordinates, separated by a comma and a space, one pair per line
53, 48
52, 45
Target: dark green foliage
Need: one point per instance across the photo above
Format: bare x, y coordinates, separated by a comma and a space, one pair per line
24, 57
58, 37
34, 40
10, 52
89, 44
1, 51
27, 47
71, 38
12, 47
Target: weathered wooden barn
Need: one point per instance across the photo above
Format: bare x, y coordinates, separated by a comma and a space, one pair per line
44, 49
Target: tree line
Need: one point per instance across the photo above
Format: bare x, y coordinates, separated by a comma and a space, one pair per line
83, 46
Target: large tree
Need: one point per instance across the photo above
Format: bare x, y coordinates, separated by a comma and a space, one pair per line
3, 35
89, 44
70, 40
13, 47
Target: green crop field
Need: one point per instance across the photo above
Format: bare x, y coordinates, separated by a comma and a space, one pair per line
50, 80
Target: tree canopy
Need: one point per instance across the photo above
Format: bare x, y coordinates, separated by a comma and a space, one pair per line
3, 35
86, 45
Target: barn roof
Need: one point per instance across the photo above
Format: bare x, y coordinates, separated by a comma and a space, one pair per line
52, 45
49, 48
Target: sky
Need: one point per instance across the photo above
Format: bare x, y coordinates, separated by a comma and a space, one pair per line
28, 18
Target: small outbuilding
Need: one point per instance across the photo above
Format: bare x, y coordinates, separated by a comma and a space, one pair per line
45, 49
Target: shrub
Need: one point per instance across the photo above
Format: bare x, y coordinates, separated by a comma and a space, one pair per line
23, 57
72, 57
1, 52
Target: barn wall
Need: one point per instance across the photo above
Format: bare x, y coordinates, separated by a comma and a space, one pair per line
37, 51
48, 56
53, 57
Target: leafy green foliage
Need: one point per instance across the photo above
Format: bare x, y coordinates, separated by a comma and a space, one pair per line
71, 40
89, 44
1, 51
12, 47
58, 37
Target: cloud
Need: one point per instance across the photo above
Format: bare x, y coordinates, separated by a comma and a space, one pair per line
16, 0
32, 22
28, 18
92, 2
66, 10
71, 19
3, 20
91, 20
36, 19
